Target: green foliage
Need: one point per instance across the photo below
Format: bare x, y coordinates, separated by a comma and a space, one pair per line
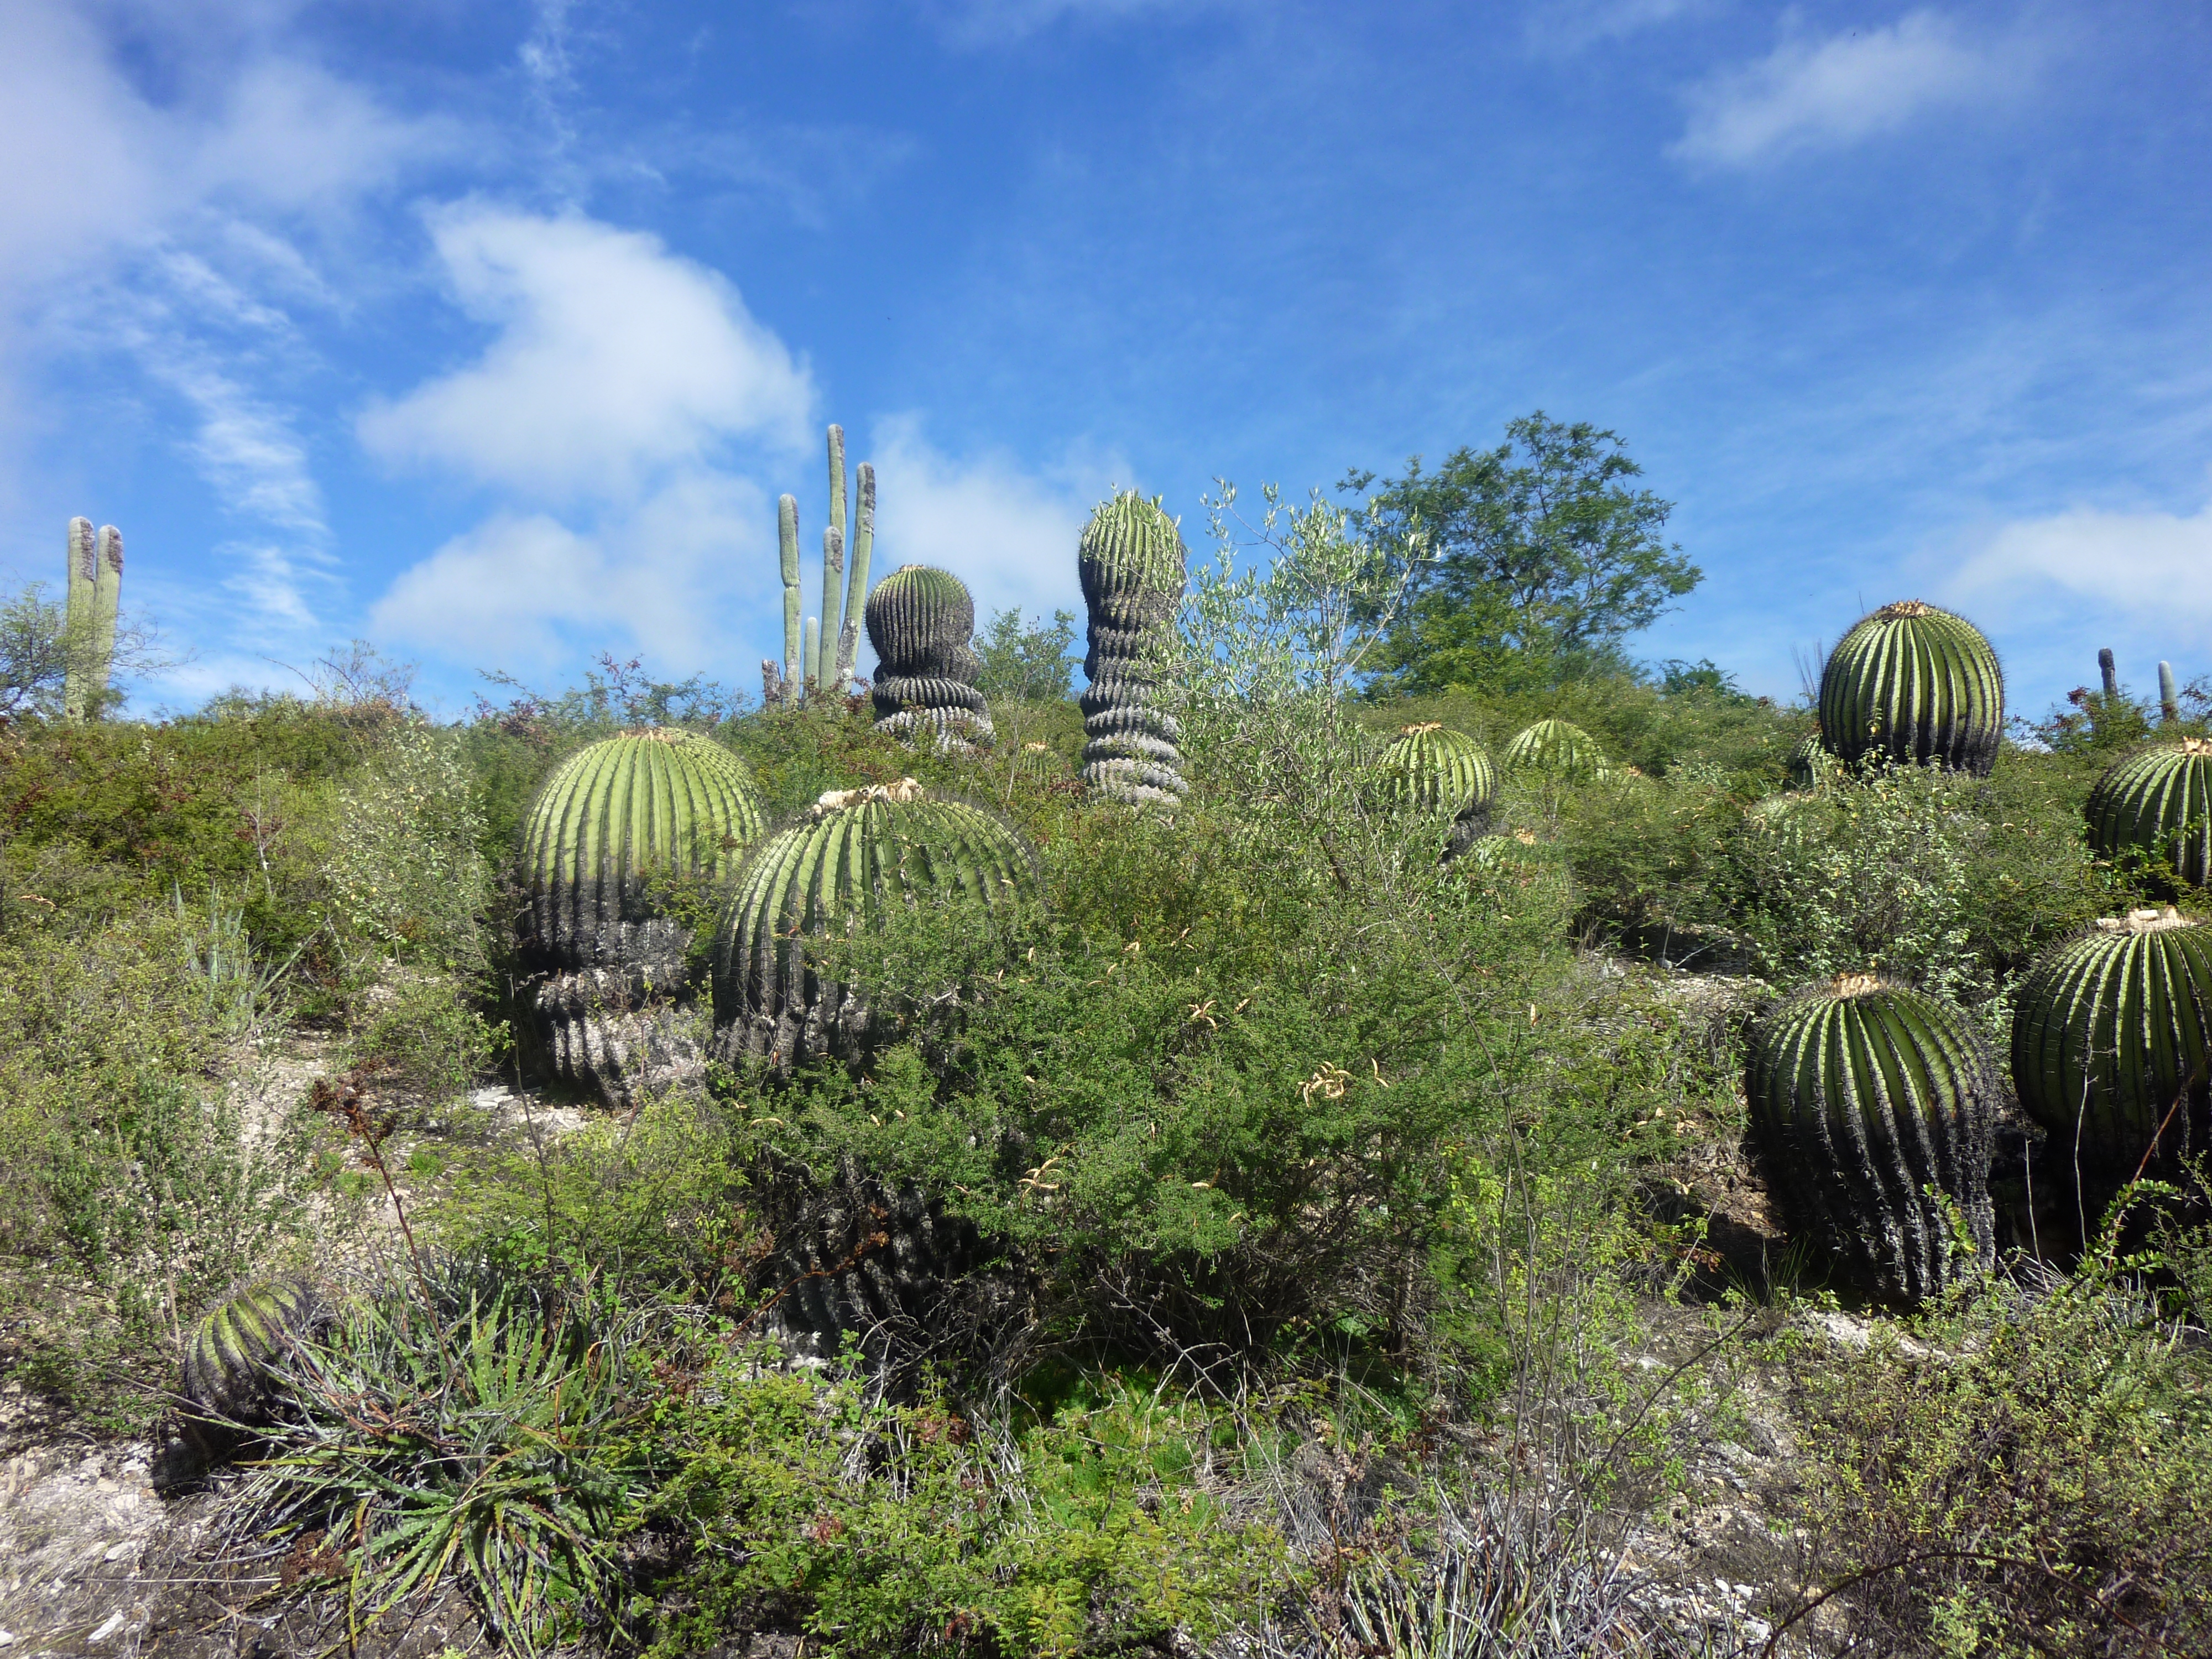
33, 654
1541, 559
1028, 664
1916, 684
407, 882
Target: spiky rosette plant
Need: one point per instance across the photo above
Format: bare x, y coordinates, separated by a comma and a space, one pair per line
2112, 1041
1864, 1095
614, 818
1435, 769
1132, 566
1558, 747
854, 852
2159, 802
230, 1356
920, 621
1917, 684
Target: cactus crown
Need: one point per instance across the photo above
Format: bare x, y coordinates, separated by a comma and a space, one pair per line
1555, 745
1920, 684
1131, 543
919, 620
1436, 767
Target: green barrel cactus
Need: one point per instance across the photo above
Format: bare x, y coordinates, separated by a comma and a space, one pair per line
855, 851
1558, 747
920, 621
233, 1348
1863, 1095
1435, 769
1917, 684
1808, 761
1132, 566
2159, 802
613, 817
2111, 1030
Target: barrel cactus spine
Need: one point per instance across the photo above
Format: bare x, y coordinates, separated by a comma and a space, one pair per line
1864, 1095
1132, 566
2159, 803
920, 621
1558, 747
2111, 1041
610, 820
233, 1350
1919, 685
854, 852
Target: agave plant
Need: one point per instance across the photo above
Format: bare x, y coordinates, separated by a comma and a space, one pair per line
920, 621
854, 851
2112, 1040
1132, 563
231, 1357
611, 819
1558, 747
2159, 802
1917, 684
1866, 1095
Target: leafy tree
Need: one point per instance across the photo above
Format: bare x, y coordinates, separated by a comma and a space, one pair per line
1541, 558
1027, 665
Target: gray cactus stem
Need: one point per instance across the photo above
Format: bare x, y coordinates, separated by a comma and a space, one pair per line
787, 527
2169, 694
856, 595
812, 668
82, 555
2106, 667
833, 562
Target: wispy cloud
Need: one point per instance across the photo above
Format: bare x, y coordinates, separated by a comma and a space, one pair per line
1569, 25
2146, 567
1826, 93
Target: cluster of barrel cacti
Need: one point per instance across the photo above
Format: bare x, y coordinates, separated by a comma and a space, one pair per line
920, 622
1132, 566
95, 592
818, 652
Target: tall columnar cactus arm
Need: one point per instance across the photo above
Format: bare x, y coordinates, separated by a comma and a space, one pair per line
787, 536
2112, 1041
1918, 684
2108, 672
856, 594
811, 669
833, 566
83, 557
2159, 803
2169, 694
1864, 1095
106, 602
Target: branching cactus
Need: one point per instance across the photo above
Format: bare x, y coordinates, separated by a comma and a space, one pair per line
1133, 565
231, 1354
1437, 769
1864, 1095
2159, 802
1915, 684
95, 592
1558, 747
2111, 1041
818, 652
855, 851
611, 818
920, 621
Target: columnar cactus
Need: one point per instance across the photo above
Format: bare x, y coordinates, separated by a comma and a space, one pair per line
921, 620
856, 592
1864, 1095
1917, 684
786, 541
2159, 802
611, 817
229, 1355
1558, 747
95, 589
2112, 1041
1436, 768
1132, 563
855, 851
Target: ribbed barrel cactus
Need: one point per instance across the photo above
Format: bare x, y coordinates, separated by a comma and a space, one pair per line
1915, 684
1864, 1095
1435, 769
2159, 802
920, 621
1808, 761
1132, 563
855, 851
229, 1355
2112, 1030
611, 818
1558, 747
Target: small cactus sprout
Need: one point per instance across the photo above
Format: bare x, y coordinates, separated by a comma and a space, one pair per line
1864, 1095
921, 620
1557, 747
613, 817
1132, 566
230, 1354
2112, 1041
1917, 684
855, 851
2159, 802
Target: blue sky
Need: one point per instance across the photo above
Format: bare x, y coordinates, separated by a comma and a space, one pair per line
490, 332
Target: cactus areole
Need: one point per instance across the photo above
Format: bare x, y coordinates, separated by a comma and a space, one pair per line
2159, 803
615, 814
1916, 684
855, 851
1864, 1095
1438, 769
2112, 1041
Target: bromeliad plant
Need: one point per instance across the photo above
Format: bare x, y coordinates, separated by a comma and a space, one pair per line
1869, 1098
1917, 684
2159, 803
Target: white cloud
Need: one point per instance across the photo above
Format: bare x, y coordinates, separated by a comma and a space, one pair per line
1826, 93
1566, 25
615, 360
2148, 566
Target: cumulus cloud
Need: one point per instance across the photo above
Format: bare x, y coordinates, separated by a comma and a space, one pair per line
1829, 94
615, 360
2146, 566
